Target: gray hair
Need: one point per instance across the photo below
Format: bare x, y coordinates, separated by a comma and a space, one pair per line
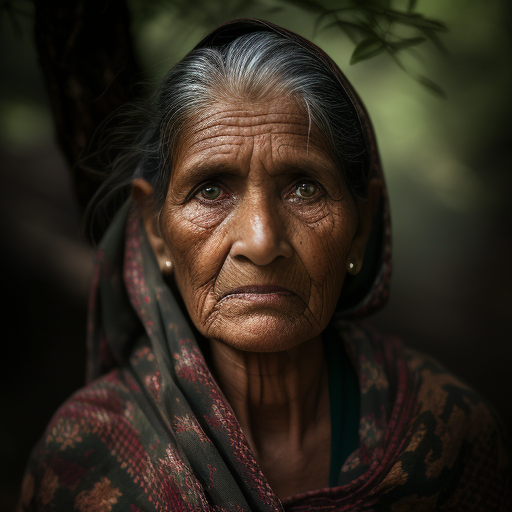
252, 67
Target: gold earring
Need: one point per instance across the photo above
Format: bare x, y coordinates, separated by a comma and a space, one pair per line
168, 264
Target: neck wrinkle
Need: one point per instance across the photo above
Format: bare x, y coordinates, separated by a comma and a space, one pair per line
276, 396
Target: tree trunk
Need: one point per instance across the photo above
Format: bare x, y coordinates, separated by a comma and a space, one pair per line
88, 61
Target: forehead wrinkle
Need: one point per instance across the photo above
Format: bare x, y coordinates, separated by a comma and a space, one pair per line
247, 117
189, 157
224, 117
314, 153
317, 164
228, 119
226, 146
261, 154
256, 109
196, 166
225, 140
237, 130
223, 134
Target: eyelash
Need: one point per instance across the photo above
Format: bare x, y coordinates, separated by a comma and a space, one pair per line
318, 192
197, 192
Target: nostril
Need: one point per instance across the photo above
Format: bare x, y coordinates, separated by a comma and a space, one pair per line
261, 252
241, 258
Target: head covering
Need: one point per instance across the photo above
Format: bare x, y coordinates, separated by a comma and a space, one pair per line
362, 295
153, 431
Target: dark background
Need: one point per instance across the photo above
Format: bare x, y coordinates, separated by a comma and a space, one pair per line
447, 162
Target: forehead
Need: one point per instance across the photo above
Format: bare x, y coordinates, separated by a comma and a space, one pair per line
252, 118
280, 128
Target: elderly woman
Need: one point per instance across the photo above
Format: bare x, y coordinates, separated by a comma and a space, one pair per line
226, 371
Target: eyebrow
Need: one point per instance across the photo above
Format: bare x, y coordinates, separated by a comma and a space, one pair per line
315, 170
201, 172
204, 171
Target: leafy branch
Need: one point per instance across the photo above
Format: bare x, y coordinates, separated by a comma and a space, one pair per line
379, 26
374, 26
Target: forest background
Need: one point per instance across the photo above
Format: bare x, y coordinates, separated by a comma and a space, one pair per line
447, 162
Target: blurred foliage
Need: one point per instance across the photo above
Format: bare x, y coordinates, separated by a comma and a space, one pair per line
373, 26
380, 26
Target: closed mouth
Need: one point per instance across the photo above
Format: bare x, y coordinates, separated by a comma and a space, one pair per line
257, 290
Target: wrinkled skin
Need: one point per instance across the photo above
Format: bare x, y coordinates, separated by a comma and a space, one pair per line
258, 229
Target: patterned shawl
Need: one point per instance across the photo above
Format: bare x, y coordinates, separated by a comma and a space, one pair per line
152, 430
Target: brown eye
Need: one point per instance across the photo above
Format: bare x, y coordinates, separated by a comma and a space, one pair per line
211, 192
306, 189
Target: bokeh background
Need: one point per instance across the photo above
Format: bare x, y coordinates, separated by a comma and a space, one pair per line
448, 168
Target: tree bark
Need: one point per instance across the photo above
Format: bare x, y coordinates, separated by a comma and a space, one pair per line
86, 54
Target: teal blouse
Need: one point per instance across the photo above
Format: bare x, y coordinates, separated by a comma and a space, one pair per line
344, 398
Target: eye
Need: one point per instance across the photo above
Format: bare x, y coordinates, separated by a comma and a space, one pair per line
211, 191
306, 189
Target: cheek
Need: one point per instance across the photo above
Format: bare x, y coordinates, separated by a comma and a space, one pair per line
323, 247
197, 253
205, 218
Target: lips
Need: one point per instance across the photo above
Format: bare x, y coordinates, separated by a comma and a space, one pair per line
257, 291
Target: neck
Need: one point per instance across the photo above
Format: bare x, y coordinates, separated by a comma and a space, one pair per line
277, 397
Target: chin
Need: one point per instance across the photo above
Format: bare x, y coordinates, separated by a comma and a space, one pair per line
263, 333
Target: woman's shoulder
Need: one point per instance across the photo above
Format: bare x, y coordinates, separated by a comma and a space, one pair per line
456, 453
446, 448
385, 361
76, 463
452, 405
439, 393
105, 403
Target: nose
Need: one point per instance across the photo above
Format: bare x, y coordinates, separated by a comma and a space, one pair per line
260, 234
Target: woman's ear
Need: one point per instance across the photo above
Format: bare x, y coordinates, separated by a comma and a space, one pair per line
366, 209
144, 196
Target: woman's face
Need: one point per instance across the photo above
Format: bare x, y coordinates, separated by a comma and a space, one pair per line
258, 225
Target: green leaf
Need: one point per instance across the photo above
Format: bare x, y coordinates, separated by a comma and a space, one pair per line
435, 39
410, 18
426, 82
367, 48
342, 25
321, 17
353, 30
420, 22
432, 86
406, 43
